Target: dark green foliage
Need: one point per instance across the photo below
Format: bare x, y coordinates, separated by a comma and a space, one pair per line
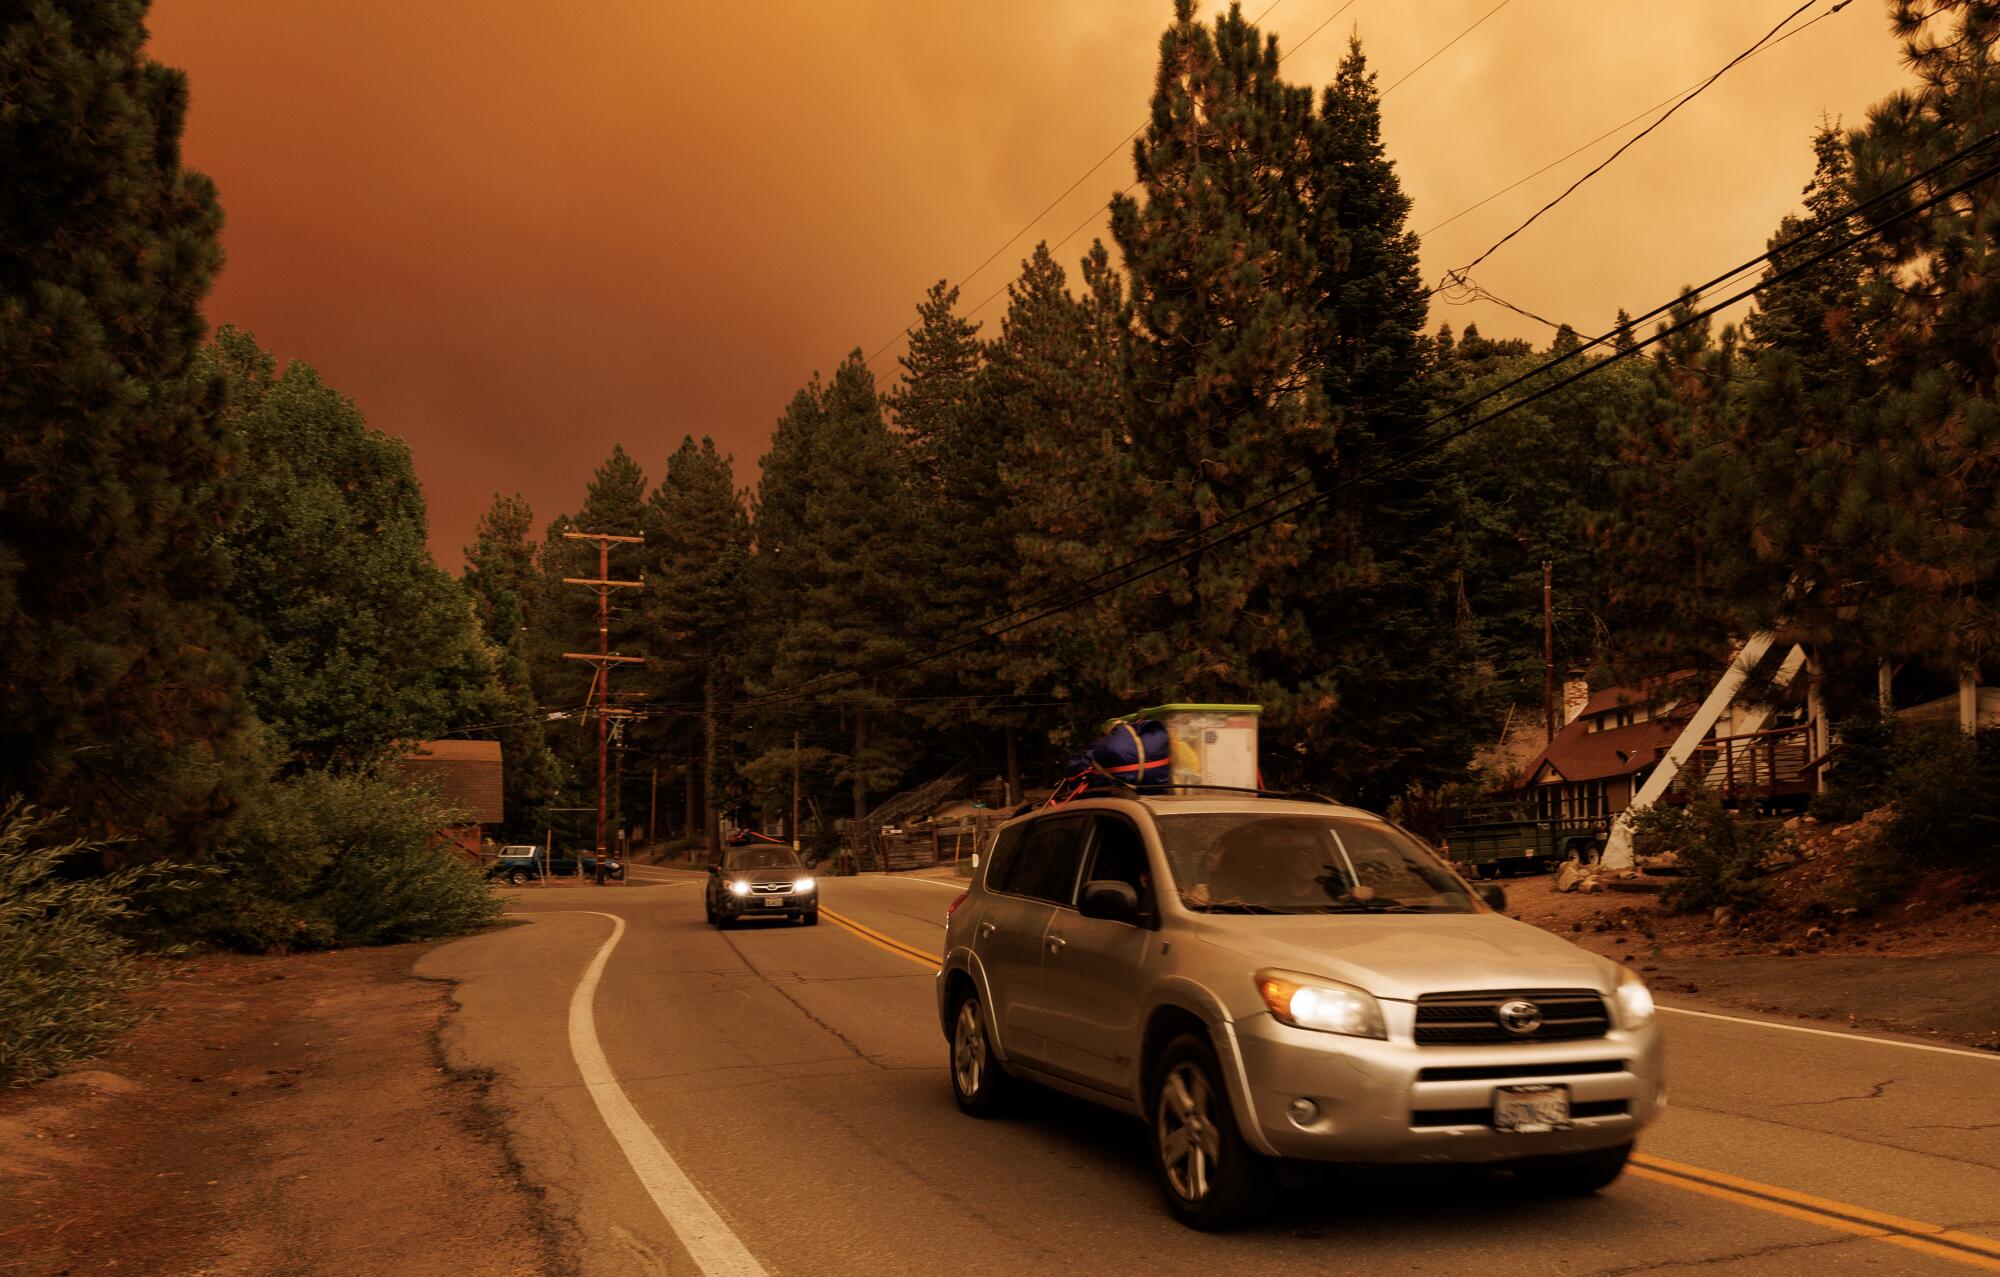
1946, 790
1858, 781
366, 642
1722, 854
836, 551
325, 859
694, 607
505, 584
120, 655
67, 959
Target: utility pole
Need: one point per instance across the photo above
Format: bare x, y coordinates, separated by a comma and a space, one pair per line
797, 842
653, 810
1548, 650
602, 660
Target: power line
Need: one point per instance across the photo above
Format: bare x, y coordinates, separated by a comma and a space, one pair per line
1447, 44
1624, 124
987, 631
1463, 271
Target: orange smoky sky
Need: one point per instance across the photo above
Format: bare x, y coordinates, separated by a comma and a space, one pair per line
518, 233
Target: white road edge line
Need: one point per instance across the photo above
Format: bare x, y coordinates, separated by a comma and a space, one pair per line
715, 1249
1835, 1033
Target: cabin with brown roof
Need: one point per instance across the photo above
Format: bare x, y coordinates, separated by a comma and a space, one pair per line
469, 777
1600, 757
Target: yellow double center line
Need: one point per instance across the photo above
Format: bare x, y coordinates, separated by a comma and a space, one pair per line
1934, 1240
889, 944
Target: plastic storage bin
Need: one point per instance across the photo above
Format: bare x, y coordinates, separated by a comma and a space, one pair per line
1212, 744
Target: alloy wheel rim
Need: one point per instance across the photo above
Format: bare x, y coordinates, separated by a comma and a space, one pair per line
1190, 1141
968, 1050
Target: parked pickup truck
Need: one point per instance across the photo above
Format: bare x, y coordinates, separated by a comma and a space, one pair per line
1498, 839
520, 864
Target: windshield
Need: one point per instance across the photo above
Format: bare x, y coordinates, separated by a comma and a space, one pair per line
1241, 862
762, 858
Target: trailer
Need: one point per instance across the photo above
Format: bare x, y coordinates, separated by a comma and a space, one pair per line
1499, 839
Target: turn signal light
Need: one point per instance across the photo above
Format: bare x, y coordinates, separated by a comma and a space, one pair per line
952, 908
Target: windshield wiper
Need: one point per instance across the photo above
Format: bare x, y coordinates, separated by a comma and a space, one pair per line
1230, 906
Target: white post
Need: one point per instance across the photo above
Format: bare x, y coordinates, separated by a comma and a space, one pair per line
1968, 700
1884, 695
1618, 847
1817, 738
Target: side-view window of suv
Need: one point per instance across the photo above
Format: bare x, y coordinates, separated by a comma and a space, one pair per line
1118, 854
1045, 865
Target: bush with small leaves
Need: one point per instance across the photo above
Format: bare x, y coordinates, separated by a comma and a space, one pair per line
67, 960
1721, 854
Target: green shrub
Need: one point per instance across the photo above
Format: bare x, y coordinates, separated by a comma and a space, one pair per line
1858, 781
321, 860
1721, 854
1946, 789
66, 961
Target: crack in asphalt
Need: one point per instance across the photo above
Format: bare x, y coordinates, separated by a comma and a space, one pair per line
1777, 1248
1838, 1135
1874, 1093
805, 1011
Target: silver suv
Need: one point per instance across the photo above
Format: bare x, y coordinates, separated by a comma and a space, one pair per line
1267, 980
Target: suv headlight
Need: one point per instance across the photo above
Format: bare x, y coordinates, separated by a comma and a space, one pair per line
1306, 1003
738, 887
1635, 1002
804, 884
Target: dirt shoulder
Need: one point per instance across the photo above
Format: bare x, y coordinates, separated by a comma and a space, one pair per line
277, 1116
1927, 965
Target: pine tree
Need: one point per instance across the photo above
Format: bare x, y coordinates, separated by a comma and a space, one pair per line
504, 582
365, 641
835, 547
121, 698
697, 549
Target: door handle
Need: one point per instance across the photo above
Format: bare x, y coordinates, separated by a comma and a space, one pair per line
1056, 944
985, 930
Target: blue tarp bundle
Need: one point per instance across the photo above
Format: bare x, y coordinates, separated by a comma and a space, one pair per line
1118, 755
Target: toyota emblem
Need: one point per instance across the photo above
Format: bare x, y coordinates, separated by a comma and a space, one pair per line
1520, 1017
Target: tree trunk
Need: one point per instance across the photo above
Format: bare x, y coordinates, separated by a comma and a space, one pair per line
711, 819
860, 743
1013, 769
691, 803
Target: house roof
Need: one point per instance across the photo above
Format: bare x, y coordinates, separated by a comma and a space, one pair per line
1578, 754
1614, 698
468, 774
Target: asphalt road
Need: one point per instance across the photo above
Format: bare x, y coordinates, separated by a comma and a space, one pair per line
773, 1099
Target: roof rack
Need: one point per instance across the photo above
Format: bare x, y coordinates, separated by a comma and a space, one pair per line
1125, 789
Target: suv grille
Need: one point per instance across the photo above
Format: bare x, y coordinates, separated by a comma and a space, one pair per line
1558, 1015
771, 888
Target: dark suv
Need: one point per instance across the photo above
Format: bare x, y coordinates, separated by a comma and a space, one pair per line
523, 864
1267, 980
760, 882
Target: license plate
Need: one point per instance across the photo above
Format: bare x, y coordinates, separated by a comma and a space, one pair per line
772, 902
1531, 1109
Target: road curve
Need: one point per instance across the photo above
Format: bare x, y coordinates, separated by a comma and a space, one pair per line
793, 1080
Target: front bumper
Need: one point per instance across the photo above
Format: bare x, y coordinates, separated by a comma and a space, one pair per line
791, 905
1395, 1102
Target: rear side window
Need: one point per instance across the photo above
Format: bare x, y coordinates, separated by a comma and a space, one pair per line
1045, 865
1118, 854
1001, 863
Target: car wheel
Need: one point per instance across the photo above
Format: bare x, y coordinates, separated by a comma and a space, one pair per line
1577, 1176
978, 1082
1210, 1177
517, 877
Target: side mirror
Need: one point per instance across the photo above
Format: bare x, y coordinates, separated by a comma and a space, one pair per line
715, 871
1495, 898
1113, 901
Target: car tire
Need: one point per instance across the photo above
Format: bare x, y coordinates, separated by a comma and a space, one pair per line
978, 1081
1210, 1177
517, 877
812, 918
1576, 1176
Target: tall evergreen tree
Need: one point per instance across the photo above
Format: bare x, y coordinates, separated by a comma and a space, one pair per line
366, 641
698, 549
837, 548
504, 582
120, 655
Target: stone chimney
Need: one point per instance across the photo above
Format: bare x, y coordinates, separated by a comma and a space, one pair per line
1576, 695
